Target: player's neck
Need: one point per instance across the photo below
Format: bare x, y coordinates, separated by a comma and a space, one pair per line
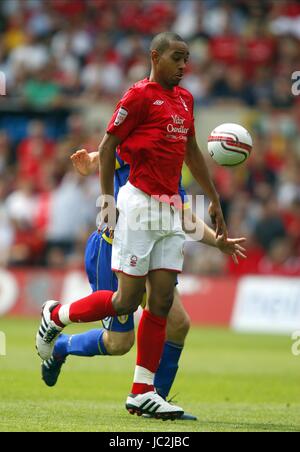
155, 78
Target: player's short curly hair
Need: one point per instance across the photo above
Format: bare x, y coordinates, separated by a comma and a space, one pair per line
161, 42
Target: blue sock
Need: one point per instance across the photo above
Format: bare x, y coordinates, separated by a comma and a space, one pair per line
86, 344
168, 368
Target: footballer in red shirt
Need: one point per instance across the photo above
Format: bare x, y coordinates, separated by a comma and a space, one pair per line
153, 128
153, 125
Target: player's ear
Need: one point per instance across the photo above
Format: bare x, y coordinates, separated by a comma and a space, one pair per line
155, 56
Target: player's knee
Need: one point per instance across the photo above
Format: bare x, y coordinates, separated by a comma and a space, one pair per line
121, 344
126, 304
179, 324
160, 305
167, 302
183, 326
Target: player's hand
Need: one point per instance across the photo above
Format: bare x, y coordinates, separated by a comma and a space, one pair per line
217, 218
232, 247
82, 162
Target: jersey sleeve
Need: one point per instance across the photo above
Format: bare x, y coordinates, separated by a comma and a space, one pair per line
183, 196
129, 113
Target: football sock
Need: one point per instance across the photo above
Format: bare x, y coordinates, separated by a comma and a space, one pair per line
165, 376
96, 306
87, 344
150, 343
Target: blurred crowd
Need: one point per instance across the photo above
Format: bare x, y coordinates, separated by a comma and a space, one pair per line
261, 201
72, 54
46, 209
63, 52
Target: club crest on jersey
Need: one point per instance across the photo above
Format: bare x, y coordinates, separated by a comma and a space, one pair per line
158, 102
121, 116
133, 261
123, 319
184, 104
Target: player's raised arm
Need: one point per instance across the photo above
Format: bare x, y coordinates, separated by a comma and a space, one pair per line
107, 160
231, 247
197, 165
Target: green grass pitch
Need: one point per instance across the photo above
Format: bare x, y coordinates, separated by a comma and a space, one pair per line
231, 382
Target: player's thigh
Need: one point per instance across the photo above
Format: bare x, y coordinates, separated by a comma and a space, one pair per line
130, 293
92, 255
178, 321
167, 253
98, 262
161, 285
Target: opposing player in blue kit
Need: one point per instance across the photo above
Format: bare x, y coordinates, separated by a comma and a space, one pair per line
117, 335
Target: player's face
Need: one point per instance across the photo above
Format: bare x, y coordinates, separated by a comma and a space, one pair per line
172, 63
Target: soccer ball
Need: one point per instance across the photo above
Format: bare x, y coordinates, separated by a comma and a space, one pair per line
230, 144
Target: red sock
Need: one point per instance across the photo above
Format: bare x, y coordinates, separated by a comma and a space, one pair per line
95, 307
151, 338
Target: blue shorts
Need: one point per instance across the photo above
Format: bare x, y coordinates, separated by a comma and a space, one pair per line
101, 277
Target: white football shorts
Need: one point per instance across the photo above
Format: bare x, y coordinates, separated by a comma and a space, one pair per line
148, 235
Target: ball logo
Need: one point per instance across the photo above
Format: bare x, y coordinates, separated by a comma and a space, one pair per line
121, 116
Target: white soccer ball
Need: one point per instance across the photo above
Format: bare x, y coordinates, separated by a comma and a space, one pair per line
230, 144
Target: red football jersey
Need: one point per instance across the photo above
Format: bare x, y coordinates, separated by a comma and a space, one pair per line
153, 125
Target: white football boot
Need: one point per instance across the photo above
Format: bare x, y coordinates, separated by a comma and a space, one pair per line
48, 332
151, 403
